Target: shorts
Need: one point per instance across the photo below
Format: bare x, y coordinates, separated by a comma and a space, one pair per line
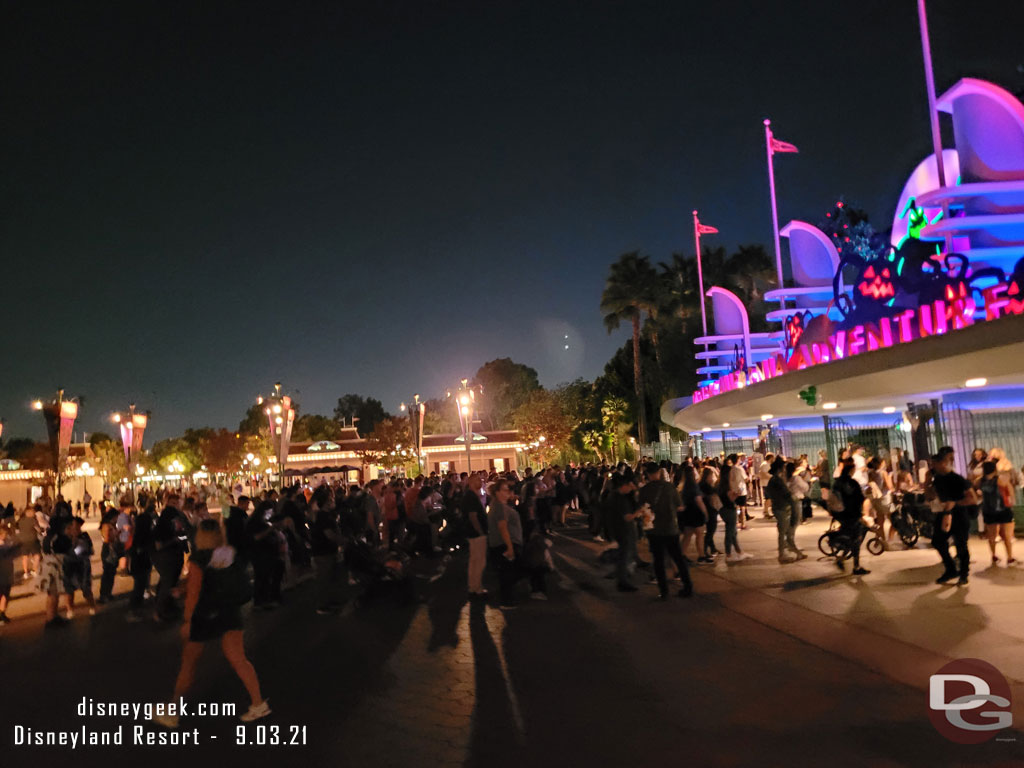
202, 629
998, 518
741, 501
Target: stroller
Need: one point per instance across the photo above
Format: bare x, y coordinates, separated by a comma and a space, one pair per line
379, 572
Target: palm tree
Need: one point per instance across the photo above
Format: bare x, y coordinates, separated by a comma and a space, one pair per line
631, 289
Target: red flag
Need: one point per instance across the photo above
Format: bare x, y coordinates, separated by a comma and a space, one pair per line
782, 146
704, 229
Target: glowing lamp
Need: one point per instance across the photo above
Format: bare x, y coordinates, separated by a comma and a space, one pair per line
766, 416
830, 406
37, 405
974, 383
706, 429
726, 424
889, 409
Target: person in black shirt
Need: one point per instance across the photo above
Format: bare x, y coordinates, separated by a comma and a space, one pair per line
622, 517
474, 519
169, 542
325, 539
140, 562
852, 495
955, 494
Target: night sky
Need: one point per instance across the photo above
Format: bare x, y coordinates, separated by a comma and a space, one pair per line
379, 197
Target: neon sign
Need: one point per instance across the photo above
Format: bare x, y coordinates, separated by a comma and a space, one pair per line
956, 310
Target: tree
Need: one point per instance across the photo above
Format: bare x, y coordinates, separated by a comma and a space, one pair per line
222, 451
255, 420
439, 417
314, 427
614, 420
506, 385
542, 419
630, 290
166, 452
110, 458
389, 437
367, 411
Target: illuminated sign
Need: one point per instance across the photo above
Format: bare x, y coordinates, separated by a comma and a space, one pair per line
957, 310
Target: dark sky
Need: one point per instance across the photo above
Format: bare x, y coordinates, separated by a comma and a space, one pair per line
198, 201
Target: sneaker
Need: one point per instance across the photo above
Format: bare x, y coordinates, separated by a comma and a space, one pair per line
962, 581
4, 619
733, 558
167, 721
945, 577
626, 588
705, 559
858, 571
996, 562
256, 711
538, 596
92, 611
600, 538
800, 554
746, 556
663, 595
785, 560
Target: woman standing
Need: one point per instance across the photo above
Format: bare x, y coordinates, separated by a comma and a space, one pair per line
28, 538
712, 503
997, 510
213, 612
733, 553
694, 517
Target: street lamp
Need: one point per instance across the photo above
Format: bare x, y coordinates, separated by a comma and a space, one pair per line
416, 414
465, 400
133, 428
60, 415
280, 418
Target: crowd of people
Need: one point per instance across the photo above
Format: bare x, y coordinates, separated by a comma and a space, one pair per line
349, 538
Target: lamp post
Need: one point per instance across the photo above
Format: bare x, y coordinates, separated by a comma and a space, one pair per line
465, 402
416, 414
280, 419
60, 415
133, 427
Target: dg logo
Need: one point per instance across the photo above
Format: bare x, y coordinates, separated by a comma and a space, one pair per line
969, 701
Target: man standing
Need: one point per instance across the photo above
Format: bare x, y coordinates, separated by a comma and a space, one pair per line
622, 513
664, 501
168, 555
954, 494
471, 509
140, 564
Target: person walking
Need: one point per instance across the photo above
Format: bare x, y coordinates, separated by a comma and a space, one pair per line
215, 590
664, 502
140, 561
851, 500
954, 494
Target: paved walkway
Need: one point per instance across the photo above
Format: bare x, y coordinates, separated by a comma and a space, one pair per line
767, 665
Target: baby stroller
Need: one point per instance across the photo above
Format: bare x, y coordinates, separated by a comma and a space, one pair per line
379, 572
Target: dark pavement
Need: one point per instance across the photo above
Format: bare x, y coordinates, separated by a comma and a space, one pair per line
591, 678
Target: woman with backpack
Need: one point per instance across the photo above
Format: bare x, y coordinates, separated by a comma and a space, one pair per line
217, 588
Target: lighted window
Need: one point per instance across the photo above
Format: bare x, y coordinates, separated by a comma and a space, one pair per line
499, 465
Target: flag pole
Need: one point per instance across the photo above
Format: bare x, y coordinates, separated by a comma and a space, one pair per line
700, 277
775, 209
933, 112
